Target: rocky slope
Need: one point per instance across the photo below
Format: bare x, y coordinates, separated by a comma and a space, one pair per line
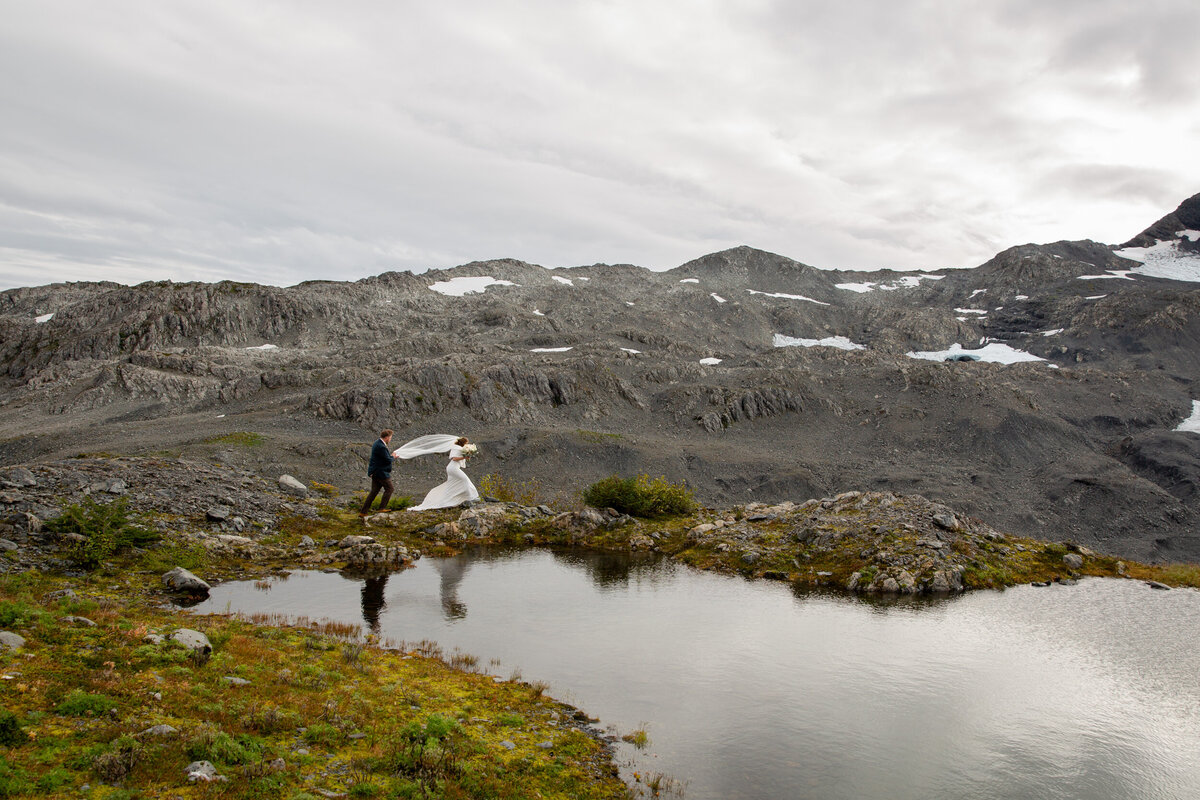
827, 381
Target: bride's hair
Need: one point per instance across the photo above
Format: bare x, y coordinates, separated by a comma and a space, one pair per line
460, 441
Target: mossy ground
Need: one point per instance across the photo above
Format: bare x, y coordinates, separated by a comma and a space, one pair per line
344, 715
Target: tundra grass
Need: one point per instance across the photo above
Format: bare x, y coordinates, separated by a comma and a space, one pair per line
321, 711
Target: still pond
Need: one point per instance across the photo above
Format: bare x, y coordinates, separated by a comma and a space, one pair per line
750, 690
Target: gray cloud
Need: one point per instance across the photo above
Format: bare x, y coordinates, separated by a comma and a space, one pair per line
281, 142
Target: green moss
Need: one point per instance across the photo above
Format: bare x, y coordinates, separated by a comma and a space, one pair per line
238, 439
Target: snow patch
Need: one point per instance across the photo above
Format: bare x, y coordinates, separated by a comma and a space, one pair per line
995, 352
971, 310
1192, 423
710, 362
566, 281
840, 342
978, 291
1021, 297
537, 313
550, 349
630, 350
1123, 274
457, 287
264, 347
905, 282
689, 280
43, 318
1165, 259
787, 296
717, 297
1054, 332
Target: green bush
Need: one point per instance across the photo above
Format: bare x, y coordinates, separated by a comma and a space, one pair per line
13, 780
106, 528
211, 744
80, 704
641, 496
18, 614
11, 733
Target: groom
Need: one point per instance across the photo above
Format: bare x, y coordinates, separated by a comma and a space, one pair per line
380, 472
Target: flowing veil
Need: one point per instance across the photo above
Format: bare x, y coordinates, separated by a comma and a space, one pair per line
426, 445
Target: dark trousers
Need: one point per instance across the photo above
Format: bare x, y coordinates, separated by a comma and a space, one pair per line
376, 485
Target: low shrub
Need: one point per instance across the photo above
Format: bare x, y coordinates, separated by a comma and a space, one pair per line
642, 496
78, 703
506, 490
11, 733
106, 528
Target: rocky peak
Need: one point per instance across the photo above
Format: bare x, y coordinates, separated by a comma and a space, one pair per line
1184, 218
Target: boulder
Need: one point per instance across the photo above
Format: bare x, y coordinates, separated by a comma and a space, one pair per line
1073, 560
11, 641
355, 540
219, 513
180, 580
195, 641
292, 486
945, 521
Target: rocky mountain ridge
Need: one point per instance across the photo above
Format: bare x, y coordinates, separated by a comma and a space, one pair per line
1039, 391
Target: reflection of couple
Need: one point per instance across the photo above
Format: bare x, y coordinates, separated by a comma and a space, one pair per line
455, 490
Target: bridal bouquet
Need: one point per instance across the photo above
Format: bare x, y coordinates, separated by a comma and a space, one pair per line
469, 450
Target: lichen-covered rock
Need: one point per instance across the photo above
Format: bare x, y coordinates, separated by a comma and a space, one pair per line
182, 580
195, 641
11, 641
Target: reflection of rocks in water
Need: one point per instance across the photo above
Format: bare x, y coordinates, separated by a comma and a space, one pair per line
607, 569
372, 600
452, 571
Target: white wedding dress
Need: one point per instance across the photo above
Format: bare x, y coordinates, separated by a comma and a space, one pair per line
458, 487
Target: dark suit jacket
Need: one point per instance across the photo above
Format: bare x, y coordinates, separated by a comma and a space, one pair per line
381, 461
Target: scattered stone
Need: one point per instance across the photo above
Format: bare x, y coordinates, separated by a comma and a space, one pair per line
81, 621
1157, 585
61, 594
11, 641
181, 580
355, 540
153, 638
945, 521
1122, 570
545, 745
1040, 583
279, 765
233, 680
292, 486
218, 513
306, 541
8, 546
160, 730
201, 771
507, 745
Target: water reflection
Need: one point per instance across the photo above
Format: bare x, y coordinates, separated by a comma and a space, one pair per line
753, 690
451, 572
373, 602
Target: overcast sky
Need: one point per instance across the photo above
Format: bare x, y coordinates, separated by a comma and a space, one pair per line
284, 141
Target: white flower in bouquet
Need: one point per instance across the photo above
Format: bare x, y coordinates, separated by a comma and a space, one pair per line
469, 450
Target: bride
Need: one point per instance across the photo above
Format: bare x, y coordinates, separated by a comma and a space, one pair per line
458, 487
